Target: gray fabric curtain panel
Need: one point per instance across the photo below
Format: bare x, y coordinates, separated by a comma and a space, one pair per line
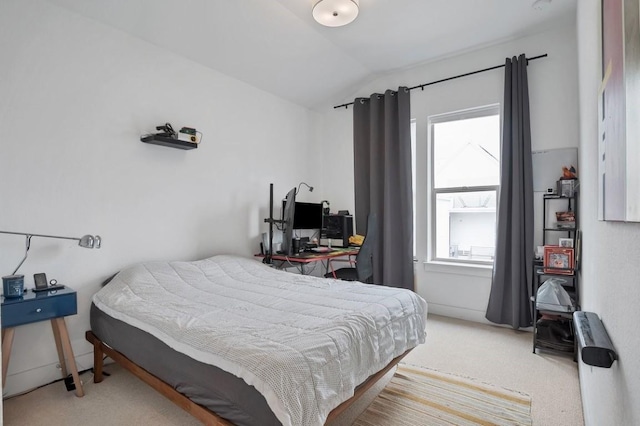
382, 165
511, 287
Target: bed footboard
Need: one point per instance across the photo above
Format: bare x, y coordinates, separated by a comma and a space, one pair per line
204, 415
100, 349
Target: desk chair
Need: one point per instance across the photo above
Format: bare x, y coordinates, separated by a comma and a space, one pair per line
363, 270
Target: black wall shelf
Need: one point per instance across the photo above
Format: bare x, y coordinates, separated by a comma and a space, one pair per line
170, 142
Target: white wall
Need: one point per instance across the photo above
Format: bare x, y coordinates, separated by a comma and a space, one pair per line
76, 96
464, 292
610, 256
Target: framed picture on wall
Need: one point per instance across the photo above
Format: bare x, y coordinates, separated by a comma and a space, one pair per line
619, 97
558, 260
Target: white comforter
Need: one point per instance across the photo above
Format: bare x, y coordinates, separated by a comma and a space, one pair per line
304, 342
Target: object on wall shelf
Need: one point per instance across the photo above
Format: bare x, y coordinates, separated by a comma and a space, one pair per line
186, 138
593, 341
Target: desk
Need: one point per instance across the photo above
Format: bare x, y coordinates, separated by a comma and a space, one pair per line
306, 258
41, 306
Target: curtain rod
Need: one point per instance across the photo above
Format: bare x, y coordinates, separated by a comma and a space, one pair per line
422, 86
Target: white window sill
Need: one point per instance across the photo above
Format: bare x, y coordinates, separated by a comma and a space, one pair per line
474, 270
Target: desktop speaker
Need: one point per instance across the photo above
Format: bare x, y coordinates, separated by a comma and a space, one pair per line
13, 285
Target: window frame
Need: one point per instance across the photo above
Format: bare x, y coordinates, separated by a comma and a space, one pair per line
483, 111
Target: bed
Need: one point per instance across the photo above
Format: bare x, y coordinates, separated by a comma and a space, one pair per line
231, 338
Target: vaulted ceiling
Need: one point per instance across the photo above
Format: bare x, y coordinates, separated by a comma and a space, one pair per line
276, 46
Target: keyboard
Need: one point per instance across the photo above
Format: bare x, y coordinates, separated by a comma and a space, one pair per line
322, 249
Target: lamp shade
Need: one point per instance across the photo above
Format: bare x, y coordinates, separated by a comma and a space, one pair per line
335, 13
90, 241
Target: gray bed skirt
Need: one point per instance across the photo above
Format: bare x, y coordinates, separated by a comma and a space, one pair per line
223, 393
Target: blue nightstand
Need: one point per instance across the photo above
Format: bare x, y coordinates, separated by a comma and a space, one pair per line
41, 306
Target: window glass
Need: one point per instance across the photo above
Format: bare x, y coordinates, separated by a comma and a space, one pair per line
467, 152
466, 225
466, 175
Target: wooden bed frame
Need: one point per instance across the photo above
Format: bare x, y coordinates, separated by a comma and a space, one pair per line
206, 416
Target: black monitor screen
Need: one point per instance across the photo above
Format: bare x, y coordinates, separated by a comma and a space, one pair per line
307, 216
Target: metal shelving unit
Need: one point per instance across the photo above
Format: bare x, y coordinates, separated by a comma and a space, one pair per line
552, 325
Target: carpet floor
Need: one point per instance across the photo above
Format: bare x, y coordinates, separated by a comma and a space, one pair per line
420, 396
489, 354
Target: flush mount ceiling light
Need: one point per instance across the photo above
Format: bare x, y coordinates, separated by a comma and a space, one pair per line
335, 13
541, 4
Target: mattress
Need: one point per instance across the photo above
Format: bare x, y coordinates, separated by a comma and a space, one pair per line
303, 342
223, 393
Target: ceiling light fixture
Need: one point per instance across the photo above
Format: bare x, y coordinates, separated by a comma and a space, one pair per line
335, 13
541, 4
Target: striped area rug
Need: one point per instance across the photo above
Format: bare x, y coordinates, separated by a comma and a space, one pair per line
419, 396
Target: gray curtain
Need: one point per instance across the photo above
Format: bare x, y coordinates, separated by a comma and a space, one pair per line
510, 299
382, 164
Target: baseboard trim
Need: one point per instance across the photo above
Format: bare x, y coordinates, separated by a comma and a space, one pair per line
25, 381
459, 313
466, 314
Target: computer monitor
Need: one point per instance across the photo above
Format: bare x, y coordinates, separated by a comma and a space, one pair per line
288, 214
307, 216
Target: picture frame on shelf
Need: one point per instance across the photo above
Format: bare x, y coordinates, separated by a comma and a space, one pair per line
558, 260
565, 242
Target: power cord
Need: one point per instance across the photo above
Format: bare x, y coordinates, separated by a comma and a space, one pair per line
167, 131
50, 383
66, 380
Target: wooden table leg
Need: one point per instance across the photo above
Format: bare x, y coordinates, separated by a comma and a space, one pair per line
68, 350
7, 341
56, 337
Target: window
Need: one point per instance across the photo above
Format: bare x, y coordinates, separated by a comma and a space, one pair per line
414, 181
465, 180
